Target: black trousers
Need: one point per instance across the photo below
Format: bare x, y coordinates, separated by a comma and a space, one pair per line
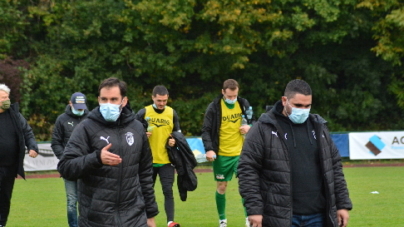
166, 174
7, 179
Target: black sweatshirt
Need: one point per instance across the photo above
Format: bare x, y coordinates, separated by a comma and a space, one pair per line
8, 140
307, 182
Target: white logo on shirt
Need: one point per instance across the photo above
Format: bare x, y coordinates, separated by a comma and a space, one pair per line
314, 134
105, 139
70, 123
275, 133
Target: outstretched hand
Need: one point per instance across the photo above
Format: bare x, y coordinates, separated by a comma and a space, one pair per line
108, 158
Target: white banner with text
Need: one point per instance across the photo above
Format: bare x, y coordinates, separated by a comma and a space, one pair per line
46, 159
376, 145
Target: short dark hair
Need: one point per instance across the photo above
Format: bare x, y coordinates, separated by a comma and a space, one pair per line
113, 82
230, 84
160, 90
297, 87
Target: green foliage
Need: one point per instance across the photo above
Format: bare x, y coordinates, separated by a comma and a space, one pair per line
349, 51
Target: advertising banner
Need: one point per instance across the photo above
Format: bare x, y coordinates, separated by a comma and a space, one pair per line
46, 159
376, 145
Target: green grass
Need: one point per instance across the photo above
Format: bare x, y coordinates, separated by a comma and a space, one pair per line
41, 202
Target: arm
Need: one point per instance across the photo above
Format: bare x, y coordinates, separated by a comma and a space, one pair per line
249, 168
340, 186
207, 128
176, 122
79, 158
342, 200
145, 178
29, 137
58, 138
140, 117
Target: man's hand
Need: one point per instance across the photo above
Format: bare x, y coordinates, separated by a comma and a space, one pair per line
151, 222
32, 154
148, 134
171, 142
343, 217
255, 220
244, 129
108, 158
210, 156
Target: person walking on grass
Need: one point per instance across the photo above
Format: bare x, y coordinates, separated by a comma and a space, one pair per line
15, 135
160, 121
75, 112
222, 136
109, 154
290, 171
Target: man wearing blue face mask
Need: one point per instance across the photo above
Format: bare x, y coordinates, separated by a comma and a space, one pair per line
290, 171
109, 154
74, 113
222, 136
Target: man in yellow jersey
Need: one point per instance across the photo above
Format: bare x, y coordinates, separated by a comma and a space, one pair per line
160, 121
222, 136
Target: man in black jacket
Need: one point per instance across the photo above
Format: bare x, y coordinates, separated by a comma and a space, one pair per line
109, 154
222, 136
15, 135
74, 113
290, 171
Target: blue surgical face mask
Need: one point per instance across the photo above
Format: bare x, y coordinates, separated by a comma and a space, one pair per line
298, 115
77, 112
155, 106
110, 112
228, 101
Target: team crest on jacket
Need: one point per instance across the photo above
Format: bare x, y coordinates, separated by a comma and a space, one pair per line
129, 138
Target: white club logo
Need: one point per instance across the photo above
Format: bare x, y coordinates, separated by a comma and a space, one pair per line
129, 138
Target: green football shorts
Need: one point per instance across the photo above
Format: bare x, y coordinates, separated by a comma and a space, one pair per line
224, 167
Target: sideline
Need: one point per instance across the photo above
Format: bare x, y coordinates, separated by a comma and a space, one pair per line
208, 170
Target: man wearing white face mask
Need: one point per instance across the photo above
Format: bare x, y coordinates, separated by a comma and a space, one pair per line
109, 154
222, 136
74, 113
290, 171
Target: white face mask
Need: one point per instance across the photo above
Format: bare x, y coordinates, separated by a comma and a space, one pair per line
228, 101
77, 112
298, 115
110, 112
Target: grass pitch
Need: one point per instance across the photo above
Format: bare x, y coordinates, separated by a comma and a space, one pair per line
42, 203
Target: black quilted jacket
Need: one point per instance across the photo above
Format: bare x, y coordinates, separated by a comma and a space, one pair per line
118, 196
264, 173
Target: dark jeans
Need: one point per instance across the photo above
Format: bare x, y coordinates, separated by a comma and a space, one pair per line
166, 174
313, 220
7, 179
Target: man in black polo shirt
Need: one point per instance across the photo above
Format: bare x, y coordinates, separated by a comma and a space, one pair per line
15, 135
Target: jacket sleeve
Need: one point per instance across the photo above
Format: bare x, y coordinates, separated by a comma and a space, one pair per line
58, 138
248, 171
140, 117
146, 178
29, 136
207, 128
342, 199
78, 158
176, 122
